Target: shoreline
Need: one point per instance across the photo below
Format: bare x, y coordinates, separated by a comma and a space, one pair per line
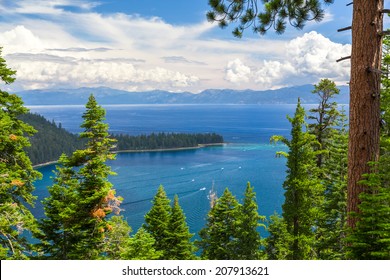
200, 146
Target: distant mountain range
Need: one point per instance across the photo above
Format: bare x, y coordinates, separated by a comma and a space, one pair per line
104, 95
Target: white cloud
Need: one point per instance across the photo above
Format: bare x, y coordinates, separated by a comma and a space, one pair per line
51, 72
315, 55
45, 7
306, 59
272, 74
66, 49
20, 39
237, 72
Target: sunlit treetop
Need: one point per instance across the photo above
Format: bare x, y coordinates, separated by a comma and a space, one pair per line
263, 15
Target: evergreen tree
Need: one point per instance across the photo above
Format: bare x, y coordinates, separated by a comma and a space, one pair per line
249, 241
219, 238
117, 238
324, 116
331, 229
97, 198
330, 129
60, 229
141, 247
278, 243
157, 222
17, 175
179, 239
371, 237
303, 192
82, 187
364, 128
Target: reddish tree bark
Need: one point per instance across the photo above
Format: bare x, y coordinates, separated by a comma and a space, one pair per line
364, 112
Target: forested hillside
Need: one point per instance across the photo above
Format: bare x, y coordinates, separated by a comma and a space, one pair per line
165, 141
51, 140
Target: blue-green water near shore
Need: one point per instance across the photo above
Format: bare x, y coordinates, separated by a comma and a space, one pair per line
247, 156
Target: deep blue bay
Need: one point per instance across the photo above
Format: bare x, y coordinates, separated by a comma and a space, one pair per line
247, 156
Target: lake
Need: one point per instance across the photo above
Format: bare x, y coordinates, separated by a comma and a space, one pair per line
247, 156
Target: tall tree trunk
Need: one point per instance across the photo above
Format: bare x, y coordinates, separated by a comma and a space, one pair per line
364, 96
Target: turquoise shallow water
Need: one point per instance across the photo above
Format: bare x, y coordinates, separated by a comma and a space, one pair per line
191, 174
247, 157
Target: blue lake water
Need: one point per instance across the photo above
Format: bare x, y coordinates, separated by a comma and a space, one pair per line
248, 156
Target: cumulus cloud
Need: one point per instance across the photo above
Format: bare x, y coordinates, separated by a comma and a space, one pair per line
20, 39
237, 72
306, 59
66, 48
51, 71
313, 54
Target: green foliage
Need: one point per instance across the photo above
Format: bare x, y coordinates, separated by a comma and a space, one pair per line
60, 230
275, 14
329, 127
6, 74
82, 196
117, 238
371, 237
165, 141
303, 191
157, 220
179, 239
50, 141
141, 247
17, 175
279, 239
168, 228
231, 231
331, 229
249, 239
219, 236
324, 116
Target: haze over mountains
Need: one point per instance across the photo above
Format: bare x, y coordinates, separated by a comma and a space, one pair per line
104, 95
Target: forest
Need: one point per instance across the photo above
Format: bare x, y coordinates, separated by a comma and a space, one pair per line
82, 212
165, 141
51, 140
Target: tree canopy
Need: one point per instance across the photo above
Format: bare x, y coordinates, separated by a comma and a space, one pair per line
273, 14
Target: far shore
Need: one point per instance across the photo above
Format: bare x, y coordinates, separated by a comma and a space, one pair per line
200, 146
170, 149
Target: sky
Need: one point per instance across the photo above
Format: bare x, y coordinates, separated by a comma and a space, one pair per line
168, 45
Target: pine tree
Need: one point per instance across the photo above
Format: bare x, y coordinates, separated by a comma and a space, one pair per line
370, 239
331, 229
364, 129
82, 196
60, 229
249, 241
141, 246
97, 197
330, 129
324, 116
219, 238
157, 221
179, 239
17, 175
278, 243
117, 238
303, 192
